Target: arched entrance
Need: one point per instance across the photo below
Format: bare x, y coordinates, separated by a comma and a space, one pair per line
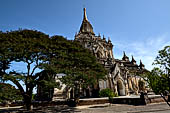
120, 88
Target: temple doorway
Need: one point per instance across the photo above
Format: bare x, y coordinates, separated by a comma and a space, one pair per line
120, 88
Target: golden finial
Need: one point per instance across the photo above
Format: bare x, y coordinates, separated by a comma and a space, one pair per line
85, 16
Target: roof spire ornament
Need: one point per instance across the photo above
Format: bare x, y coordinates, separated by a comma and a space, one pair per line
133, 60
141, 65
109, 40
85, 16
86, 27
104, 37
124, 54
125, 58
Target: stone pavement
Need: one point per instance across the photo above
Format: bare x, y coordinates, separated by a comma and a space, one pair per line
101, 108
119, 108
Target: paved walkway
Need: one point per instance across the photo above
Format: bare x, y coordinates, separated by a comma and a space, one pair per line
101, 108
119, 108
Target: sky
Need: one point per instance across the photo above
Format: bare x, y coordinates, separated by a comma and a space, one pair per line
138, 27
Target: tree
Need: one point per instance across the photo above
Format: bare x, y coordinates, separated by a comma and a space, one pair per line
163, 60
28, 47
79, 64
157, 80
4, 54
51, 55
159, 77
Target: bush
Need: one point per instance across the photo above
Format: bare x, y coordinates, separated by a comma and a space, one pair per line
107, 93
9, 93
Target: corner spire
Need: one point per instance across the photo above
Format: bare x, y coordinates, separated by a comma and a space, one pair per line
109, 41
133, 61
141, 65
124, 54
125, 58
85, 16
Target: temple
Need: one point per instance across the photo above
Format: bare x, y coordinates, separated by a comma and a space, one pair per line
123, 74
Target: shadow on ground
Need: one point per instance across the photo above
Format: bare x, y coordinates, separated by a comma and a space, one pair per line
46, 109
98, 106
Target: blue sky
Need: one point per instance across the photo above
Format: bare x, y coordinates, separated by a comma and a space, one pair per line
139, 27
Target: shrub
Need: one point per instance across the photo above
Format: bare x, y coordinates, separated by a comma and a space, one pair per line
107, 93
9, 93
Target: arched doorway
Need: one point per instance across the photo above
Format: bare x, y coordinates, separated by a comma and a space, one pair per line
120, 88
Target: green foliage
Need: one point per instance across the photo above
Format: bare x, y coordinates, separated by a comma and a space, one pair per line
79, 64
9, 93
159, 77
163, 74
51, 54
47, 84
24, 46
158, 81
107, 93
47, 79
163, 59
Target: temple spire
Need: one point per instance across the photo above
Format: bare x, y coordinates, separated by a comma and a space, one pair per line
124, 54
109, 41
133, 60
86, 27
141, 65
85, 16
125, 58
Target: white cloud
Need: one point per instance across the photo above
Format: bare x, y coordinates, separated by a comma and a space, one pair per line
145, 50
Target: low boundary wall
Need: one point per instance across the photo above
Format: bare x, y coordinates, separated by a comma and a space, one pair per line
131, 100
